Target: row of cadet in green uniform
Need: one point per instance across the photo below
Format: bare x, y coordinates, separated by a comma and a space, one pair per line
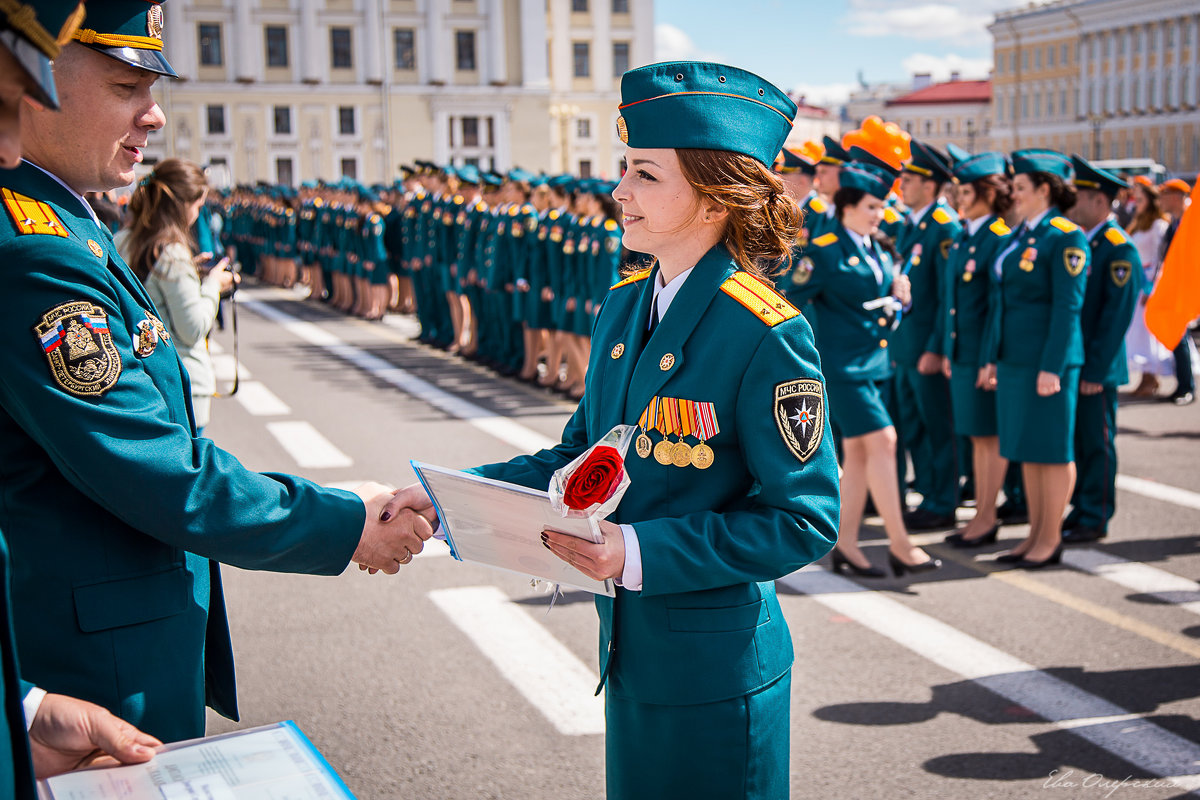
1050, 297
502, 256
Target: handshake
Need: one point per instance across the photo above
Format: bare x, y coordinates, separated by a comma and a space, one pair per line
398, 524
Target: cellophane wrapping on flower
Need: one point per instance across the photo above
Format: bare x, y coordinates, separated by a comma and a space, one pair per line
592, 485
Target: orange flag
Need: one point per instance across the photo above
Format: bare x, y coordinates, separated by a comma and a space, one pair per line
1176, 299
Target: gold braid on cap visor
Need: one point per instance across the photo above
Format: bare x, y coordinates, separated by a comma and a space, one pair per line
89, 36
22, 18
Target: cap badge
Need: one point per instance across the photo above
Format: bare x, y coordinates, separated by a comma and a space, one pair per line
154, 21
622, 130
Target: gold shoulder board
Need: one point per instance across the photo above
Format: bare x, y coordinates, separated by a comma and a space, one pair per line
610, 225
890, 215
825, 240
940, 216
817, 205
640, 275
1115, 236
765, 303
999, 228
33, 216
1063, 224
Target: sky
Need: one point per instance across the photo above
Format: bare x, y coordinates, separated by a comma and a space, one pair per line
819, 48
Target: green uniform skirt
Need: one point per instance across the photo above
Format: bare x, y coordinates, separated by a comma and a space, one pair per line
1033, 429
731, 749
974, 409
859, 407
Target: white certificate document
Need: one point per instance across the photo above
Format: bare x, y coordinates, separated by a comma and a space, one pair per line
274, 762
500, 524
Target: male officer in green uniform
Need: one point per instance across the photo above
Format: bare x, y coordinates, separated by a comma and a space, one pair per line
112, 508
922, 391
1113, 286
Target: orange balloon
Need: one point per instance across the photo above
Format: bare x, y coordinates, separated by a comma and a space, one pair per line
872, 125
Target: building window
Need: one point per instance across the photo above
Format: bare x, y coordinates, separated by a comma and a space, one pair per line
1037, 58
1025, 61
1129, 148
1024, 107
1050, 57
583, 128
620, 58
350, 168
999, 113
580, 6
210, 45
283, 120
283, 172
277, 46
1066, 54
928, 127
620, 6
470, 131
583, 61
1137, 40
216, 120
1062, 103
406, 48
585, 168
464, 50
346, 120
341, 54
1012, 61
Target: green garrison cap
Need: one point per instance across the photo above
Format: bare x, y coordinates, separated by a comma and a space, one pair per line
1088, 176
980, 166
35, 36
1051, 162
793, 163
868, 173
956, 153
469, 174
129, 31
928, 162
704, 106
834, 152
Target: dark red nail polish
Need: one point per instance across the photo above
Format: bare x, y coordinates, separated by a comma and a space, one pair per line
385, 516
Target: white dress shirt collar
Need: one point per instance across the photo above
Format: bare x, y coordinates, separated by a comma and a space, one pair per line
87, 206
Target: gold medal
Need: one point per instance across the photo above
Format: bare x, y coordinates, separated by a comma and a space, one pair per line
662, 452
681, 454
642, 445
967, 277
702, 456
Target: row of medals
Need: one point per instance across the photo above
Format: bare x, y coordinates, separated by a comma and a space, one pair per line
680, 454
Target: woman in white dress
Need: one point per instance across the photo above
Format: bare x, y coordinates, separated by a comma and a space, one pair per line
1147, 228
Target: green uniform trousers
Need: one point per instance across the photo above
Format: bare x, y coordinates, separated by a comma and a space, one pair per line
927, 432
1095, 497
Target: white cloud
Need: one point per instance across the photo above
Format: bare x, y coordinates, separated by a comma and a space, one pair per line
962, 21
942, 66
673, 44
825, 94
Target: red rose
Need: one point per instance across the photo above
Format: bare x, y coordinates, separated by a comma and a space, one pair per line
595, 480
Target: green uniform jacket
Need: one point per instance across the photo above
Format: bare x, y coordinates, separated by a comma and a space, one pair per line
835, 275
924, 247
706, 624
1035, 321
969, 287
111, 508
1114, 283
16, 770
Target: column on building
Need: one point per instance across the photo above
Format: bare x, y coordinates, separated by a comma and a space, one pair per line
372, 46
246, 43
496, 68
312, 44
1190, 78
437, 46
1143, 76
535, 66
441, 136
1110, 90
1160, 71
1085, 77
561, 71
502, 160
179, 42
602, 44
1176, 100
642, 49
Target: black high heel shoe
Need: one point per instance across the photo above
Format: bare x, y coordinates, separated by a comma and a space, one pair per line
899, 567
1010, 558
840, 562
958, 540
1055, 558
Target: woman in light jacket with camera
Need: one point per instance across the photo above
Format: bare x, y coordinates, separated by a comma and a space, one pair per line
159, 249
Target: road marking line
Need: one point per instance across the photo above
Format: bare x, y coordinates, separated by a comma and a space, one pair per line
225, 366
1159, 491
1157, 583
549, 675
502, 428
1155, 749
307, 446
259, 401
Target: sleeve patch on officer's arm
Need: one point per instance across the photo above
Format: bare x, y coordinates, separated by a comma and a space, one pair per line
33, 216
800, 416
1121, 270
79, 348
1074, 259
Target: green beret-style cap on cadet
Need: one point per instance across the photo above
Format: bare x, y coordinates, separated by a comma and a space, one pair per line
980, 166
866, 172
1051, 162
790, 162
129, 31
928, 162
1088, 176
35, 36
834, 152
704, 106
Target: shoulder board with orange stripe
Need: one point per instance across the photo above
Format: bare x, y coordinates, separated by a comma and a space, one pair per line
766, 303
817, 205
33, 216
1115, 235
940, 216
891, 216
640, 275
999, 228
1063, 224
825, 240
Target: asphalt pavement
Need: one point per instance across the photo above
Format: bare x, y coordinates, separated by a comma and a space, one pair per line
453, 681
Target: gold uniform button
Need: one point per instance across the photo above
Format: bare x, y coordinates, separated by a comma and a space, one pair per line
618, 350
883, 320
883, 342
95, 247
667, 362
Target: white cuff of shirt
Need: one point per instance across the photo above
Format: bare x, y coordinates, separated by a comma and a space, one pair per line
631, 575
31, 704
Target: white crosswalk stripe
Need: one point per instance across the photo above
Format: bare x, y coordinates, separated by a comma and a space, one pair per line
1157, 583
307, 446
259, 401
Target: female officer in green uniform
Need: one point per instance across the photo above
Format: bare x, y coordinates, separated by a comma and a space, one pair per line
696, 654
848, 275
985, 196
1036, 344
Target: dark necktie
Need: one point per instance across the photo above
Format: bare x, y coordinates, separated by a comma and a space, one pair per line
653, 317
